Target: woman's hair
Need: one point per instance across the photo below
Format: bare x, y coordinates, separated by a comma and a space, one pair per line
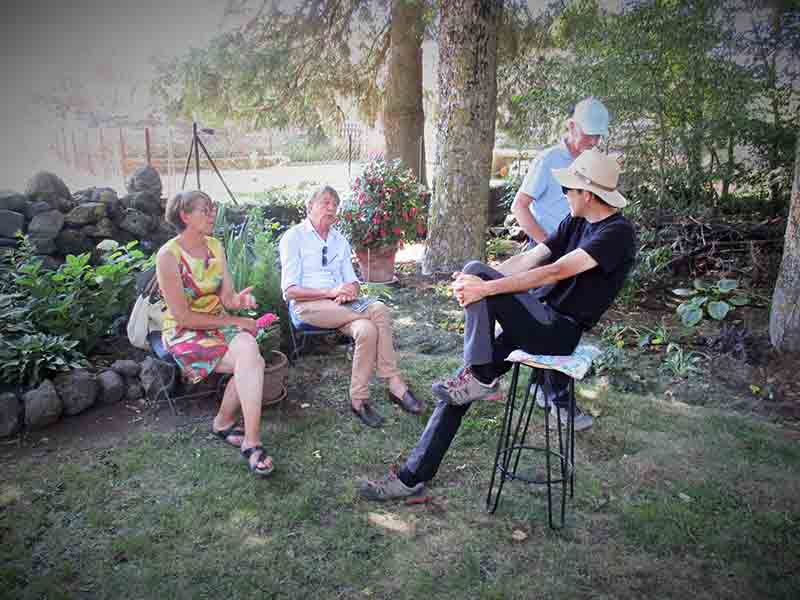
320, 191
184, 202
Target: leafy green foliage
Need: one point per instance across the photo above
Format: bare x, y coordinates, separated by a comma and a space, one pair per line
30, 358
704, 299
49, 319
251, 249
79, 300
286, 66
386, 206
682, 100
269, 339
682, 363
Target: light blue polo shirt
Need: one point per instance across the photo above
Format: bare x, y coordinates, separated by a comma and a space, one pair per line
301, 259
550, 206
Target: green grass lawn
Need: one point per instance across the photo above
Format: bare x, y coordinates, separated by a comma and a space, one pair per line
671, 501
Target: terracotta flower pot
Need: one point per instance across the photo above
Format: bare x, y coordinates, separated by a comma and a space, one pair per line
377, 264
276, 378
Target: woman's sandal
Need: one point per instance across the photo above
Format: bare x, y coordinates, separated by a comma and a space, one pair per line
262, 456
224, 434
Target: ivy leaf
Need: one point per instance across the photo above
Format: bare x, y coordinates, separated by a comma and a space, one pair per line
739, 300
718, 309
701, 285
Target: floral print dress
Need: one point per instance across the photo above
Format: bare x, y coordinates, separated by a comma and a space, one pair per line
198, 351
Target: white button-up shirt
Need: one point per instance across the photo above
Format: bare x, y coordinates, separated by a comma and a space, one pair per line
301, 259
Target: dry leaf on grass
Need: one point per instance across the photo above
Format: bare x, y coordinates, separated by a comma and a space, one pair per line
392, 523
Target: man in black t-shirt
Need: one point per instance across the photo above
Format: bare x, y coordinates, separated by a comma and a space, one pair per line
544, 300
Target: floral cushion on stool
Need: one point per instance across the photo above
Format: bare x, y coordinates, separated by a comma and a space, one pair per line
576, 365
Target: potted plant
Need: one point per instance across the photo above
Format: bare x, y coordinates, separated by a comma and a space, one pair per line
385, 209
276, 370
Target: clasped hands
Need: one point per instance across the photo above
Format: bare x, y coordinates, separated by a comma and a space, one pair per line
468, 288
347, 292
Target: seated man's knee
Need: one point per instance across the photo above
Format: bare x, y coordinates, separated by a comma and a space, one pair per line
474, 267
378, 310
363, 329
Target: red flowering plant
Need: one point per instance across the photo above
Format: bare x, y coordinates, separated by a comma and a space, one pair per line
268, 337
386, 207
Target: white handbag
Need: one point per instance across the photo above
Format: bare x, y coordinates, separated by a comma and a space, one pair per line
146, 316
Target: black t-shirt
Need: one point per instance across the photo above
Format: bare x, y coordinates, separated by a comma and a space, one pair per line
612, 243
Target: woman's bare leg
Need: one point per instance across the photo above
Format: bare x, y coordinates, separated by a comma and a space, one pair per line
244, 360
229, 412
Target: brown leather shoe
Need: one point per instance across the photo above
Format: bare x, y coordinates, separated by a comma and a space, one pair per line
368, 415
408, 402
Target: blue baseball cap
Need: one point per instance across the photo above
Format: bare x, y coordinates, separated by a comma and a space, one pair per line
592, 116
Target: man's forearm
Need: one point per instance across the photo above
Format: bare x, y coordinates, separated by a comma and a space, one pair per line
523, 282
525, 261
302, 294
521, 208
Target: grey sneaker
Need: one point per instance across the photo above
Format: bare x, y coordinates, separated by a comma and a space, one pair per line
583, 420
464, 388
388, 488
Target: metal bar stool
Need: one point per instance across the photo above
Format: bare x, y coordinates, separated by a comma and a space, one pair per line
512, 439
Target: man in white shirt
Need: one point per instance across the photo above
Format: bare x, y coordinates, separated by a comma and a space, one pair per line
540, 204
320, 285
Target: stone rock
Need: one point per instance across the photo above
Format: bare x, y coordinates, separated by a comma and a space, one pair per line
43, 406
145, 202
104, 195
126, 368
44, 246
50, 188
46, 225
154, 375
137, 223
107, 246
86, 214
77, 390
72, 241
145, 179
10, 200
10, 223
111, 387
82, 196
36, 208
9, 414
103, 229
134, 391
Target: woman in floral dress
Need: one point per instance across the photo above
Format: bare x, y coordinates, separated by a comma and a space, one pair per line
200, 334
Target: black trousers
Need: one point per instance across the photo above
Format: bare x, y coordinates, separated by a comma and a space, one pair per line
529, 325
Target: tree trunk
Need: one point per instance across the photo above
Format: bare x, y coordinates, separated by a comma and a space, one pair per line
784, 318
404, 119
458, 215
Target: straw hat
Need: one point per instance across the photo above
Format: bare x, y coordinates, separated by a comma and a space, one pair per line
596, 172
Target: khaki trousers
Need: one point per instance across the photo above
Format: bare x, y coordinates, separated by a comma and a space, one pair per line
372, 332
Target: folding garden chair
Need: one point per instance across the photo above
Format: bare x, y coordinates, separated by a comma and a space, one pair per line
170, 387
299, 331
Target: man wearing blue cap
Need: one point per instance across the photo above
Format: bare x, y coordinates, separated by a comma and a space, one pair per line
539, 205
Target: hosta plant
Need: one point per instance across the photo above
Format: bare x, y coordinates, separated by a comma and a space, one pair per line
715, 300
